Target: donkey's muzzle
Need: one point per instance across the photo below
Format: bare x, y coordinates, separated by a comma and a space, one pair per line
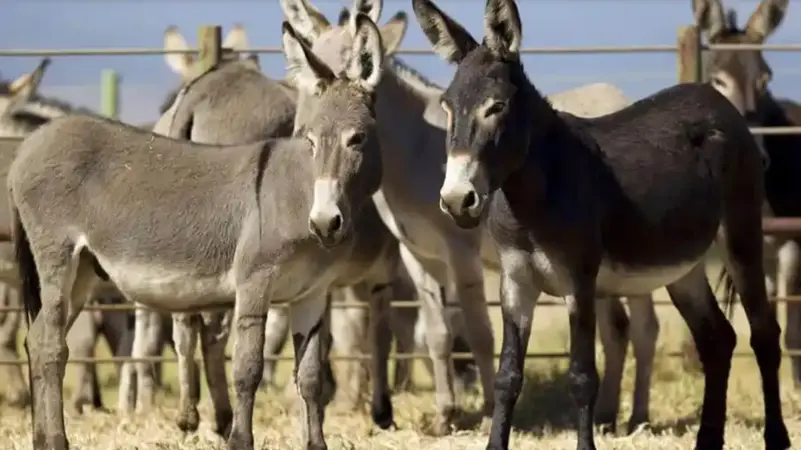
329, 229
464, 207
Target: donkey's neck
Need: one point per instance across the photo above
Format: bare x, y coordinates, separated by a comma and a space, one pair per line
545, 139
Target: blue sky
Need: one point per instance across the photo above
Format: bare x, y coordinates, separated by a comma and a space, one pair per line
53, 24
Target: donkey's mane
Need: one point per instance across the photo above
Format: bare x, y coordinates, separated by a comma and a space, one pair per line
411, 76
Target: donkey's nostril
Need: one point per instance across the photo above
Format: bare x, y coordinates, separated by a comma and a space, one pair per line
470, 201
335, 224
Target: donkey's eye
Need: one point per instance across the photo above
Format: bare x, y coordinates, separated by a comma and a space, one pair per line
356, 140
717, 82
495, 108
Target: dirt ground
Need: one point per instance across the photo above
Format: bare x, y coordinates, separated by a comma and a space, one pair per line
544, 415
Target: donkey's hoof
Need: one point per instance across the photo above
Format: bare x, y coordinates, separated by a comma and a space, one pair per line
224, 420
239, 441
443, 423
776, 438
189, 421
486, 425
606, 427
637, 426
19, 400
382, 412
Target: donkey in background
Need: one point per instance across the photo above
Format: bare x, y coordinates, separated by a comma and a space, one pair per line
743, 77
23, 110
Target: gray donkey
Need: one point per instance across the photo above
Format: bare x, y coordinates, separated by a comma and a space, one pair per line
434, 251
572, 211
229, 105
22, 110
278, 220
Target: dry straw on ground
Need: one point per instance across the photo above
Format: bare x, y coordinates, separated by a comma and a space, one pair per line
543, 421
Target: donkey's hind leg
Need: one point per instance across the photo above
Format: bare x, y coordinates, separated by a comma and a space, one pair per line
613, 328
16, 390
787, 283
438, 339
715, 340
643, 333
349, 330
275, 336
214, 332
310, 323
66, 277
145, 344
742, 230
185, 328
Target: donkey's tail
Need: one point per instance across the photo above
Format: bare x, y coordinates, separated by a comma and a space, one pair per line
729, 293
29, 286
29, 276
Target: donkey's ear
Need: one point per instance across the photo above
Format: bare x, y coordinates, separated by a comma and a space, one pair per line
367, 56
449, 39
344, 17
304, 68
319, 21
237, 38
767, 17
370, 8
393, 32
24, 87
709, 17
297, 14
503, 32
180, 63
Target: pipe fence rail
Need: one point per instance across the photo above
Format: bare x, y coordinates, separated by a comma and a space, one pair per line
689, 49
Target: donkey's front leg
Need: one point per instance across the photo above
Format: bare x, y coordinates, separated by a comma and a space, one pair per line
213, 338
250, 317
381, 338
583, 372
309, 318
644, 332
518, 295
467, 285
613, 328
146, 340
438, 339
185, 328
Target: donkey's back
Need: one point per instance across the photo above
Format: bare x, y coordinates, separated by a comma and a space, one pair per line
137, 202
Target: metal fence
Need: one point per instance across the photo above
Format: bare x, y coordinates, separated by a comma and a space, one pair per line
688, 50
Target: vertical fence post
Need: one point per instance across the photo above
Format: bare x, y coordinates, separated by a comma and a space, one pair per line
689, 54
110, 94
209, 42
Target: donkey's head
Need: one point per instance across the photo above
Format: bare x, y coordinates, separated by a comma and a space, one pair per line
185, 64
741, 76
339, 122
332, 43
15, 95
487, 105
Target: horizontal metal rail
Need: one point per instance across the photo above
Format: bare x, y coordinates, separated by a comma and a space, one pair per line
666, 48
360, 305
754, 130
357, 357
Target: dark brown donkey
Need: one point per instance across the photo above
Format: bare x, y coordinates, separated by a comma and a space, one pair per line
618, 205
743, 78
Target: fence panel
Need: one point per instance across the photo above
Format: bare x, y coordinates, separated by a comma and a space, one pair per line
688, 49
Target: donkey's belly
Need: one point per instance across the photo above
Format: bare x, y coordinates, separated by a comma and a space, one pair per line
171, 290
618, 279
